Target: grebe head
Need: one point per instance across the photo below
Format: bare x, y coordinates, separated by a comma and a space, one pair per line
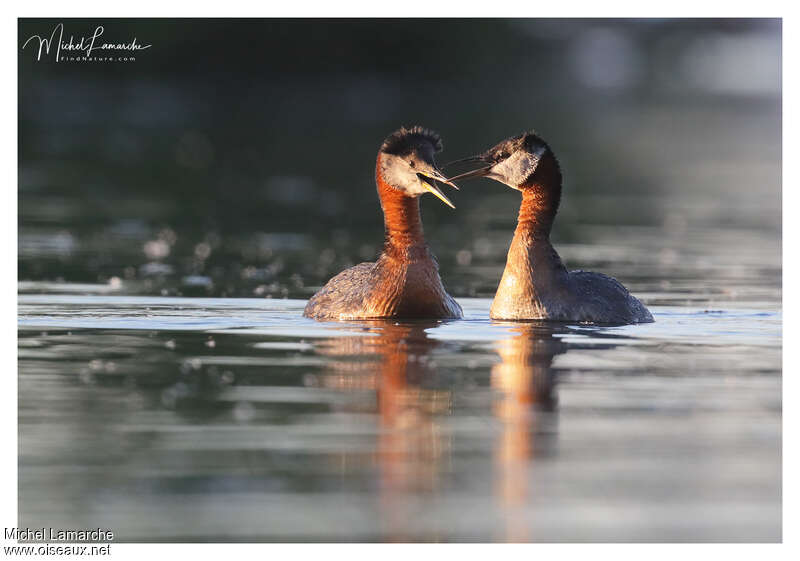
406, 162
512, 161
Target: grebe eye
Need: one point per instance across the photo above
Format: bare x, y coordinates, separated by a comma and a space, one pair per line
412, 164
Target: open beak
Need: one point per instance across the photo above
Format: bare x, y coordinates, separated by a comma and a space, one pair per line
480, 172
429, 179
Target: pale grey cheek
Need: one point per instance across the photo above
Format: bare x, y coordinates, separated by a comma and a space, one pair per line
400, 176
516, 169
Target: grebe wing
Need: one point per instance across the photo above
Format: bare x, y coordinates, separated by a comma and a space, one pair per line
341, 294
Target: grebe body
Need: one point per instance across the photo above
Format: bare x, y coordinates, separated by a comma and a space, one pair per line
404, 282
535, 283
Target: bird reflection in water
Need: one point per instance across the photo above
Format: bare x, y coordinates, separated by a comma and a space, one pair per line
411, 446
412, 397
524, 382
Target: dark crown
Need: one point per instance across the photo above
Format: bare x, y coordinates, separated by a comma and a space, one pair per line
405, 140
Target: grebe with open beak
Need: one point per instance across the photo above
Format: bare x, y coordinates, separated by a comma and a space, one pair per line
404, 282
535, 283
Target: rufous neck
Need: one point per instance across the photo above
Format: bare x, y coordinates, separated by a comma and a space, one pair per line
541, 195
401, 217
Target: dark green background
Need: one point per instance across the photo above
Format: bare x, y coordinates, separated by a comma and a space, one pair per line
248, 146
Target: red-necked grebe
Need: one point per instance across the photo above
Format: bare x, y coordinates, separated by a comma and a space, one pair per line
404, 282
535, 283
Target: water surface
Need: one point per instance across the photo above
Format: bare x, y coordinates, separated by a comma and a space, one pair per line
237, 419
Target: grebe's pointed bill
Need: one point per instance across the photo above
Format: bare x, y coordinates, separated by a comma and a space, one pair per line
430, 185
480, 172
435, 174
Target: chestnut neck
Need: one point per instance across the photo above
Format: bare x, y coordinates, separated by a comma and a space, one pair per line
541, 194
404, 238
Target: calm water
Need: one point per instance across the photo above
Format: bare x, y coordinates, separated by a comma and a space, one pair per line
237, 419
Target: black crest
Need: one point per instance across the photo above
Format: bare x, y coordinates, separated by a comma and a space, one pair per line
405, 140
526, 141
